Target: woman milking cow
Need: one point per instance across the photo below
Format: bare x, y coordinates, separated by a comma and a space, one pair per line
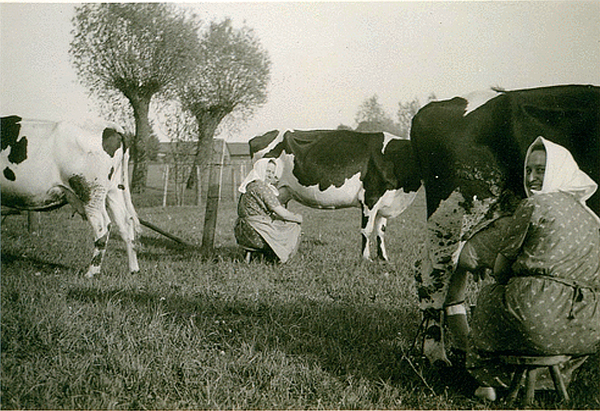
544, 300
263, 224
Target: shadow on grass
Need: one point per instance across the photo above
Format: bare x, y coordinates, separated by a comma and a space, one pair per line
39, 264
346, 341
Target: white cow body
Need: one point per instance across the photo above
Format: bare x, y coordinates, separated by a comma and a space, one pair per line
67, 163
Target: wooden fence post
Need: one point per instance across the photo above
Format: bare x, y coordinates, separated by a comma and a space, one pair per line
198, 186
213, 194
166, 184
233, 182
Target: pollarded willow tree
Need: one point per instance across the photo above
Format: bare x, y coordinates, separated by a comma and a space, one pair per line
231, 76
137, 49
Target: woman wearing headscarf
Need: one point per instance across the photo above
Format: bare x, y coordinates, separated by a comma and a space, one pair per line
545, 298
263, 223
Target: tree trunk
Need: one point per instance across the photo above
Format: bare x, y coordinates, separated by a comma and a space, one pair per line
139, 153
208, 121
212, 197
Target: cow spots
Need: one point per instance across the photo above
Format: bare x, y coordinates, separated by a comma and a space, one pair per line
9, 174
97, 260
101, 242
10, 129
18, 151
264, 142
81, 188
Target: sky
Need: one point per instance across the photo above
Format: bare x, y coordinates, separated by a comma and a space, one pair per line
329, 57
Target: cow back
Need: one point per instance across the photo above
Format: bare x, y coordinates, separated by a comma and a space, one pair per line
46, 163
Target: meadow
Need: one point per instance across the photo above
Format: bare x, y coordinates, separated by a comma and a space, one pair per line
194, 331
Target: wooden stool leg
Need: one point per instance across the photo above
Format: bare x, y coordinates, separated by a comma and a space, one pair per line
248, 256
559, 383
515, 385
530, 386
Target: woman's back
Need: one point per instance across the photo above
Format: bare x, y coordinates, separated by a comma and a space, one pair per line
563, 239
258, 199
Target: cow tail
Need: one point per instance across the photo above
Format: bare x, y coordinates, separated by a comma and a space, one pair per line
127, 192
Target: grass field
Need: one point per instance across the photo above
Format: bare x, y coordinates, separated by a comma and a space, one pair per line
325, 331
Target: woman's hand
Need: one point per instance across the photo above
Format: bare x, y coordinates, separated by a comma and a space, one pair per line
287, 215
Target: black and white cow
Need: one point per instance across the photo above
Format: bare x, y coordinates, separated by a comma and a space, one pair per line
46, 165
471, 152
339, 168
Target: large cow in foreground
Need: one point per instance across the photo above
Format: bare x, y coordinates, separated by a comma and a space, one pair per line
46, 165
339, 168
471, 152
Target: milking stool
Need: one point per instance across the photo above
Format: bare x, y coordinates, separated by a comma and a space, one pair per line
527, 368
248, 251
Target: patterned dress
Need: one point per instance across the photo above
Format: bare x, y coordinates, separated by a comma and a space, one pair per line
550, 304
258, 200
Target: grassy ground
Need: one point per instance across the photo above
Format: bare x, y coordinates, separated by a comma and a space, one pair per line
325, 331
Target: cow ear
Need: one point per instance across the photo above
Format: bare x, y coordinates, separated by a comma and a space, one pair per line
111, 141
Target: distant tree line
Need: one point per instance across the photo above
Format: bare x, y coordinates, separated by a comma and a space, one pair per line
372, 117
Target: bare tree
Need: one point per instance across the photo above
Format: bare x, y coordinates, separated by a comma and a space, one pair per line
371, 117
137, 49
344, 127
405, 114
231, 76
371, 111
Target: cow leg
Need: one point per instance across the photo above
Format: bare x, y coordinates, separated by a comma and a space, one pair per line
443, 235
125, 223
445, 228
100, 225
99, 251
367, 226
381, 225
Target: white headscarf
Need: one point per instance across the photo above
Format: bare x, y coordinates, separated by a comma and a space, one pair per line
563, 174
258, 172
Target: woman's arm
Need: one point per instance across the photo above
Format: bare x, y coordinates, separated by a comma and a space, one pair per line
502, 269
287, 215
272, 204
513, 238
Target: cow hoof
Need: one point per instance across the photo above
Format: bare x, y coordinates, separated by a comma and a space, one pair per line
92, 271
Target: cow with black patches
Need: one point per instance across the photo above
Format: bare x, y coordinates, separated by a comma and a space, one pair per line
333, 169
471, 151
48, 164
